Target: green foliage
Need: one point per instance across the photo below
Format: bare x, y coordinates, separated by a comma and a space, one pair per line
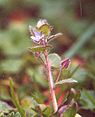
4, 107
70, 112
88, 99
11, 66
15, 100
39, 48
75, 19
55, 60
11, 114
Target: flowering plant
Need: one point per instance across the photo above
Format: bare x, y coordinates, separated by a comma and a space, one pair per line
41, 36
64, 105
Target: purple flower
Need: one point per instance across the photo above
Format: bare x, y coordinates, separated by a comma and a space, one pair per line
36, 36
40, 33
65, 63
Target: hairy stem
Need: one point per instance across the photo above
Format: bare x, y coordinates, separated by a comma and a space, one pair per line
58, 77
51, 82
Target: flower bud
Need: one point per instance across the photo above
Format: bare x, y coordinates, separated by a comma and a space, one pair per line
65, 63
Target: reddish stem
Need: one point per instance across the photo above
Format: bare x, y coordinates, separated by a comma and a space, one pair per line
51, 82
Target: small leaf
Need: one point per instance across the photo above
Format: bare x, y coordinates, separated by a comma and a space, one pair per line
15, 99
29, 102
74, 70
66, 81
47, 111
54, 59
11, 65
52, 37
87, 99
39, 48
70, 112
45, 29
65, 74
4, 107
13, 114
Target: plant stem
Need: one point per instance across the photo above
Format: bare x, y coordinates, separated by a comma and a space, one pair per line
51, 82
58, 77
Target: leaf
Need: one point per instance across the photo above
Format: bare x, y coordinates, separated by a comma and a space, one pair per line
11, 65
74, 70
47, 112
45, 29
83, 39
37, 76
66, 81
13, 114
52, 37
4, 94
80, 75
29, 102
65, 74
4, 107
39, 48
54, 59
87, 99
70, 112
15, 100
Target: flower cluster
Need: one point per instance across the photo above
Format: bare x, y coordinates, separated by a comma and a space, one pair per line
41, 32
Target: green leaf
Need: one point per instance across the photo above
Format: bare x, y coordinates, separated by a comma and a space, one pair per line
11, 65
54, 59
47, 112
13, 114
15, 100
65, 74
29, 102
37, 76
70, 112
52, 37
39, 48
4, 107
74, 70
66, 81
80, 75
45, 29
83, 39
88, 99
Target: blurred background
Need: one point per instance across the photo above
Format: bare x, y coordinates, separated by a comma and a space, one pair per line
75, 19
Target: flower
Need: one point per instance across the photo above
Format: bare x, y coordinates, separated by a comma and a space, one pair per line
65, 63
40, 33
36, 36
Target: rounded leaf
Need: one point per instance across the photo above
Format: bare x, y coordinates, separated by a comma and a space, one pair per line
54, 59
